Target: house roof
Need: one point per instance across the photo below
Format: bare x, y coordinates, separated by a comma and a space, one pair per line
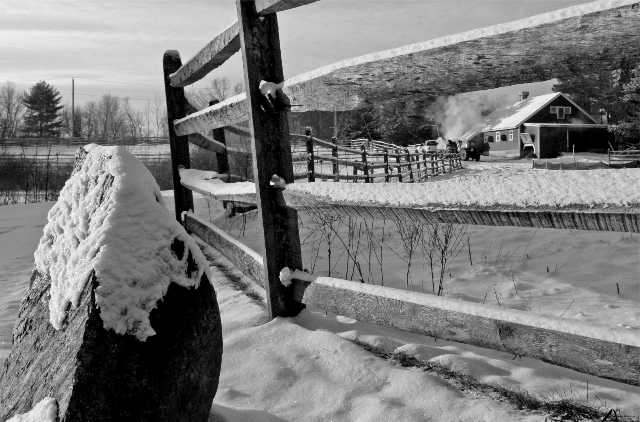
510, 116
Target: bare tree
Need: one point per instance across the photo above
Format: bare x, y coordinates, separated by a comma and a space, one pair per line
238, 88
108, 109
65, 117
135, 118
11, 110
219, 89
90, 114
160, 117
441, 244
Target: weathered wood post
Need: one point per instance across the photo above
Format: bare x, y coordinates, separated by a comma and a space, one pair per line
433, 170
409, 164
355, 168
398, 161
311, 169
418, 164
334, 154
222, 159
179, 145
386, 165
365, 164
271, 148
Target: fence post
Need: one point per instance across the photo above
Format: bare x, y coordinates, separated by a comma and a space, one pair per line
433, 170
334, 154
424, 158
178, 145
410, 167
450, 163
366, 166
355, 173
222, 159
311, 169
271, 148
399, 165
418, 164
386, 165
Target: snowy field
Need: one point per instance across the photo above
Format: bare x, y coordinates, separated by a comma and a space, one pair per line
304, 369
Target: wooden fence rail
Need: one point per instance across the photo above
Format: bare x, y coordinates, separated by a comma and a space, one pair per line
406, 167
42, 142
580, 346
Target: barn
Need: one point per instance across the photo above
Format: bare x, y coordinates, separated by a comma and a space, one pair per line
545, 125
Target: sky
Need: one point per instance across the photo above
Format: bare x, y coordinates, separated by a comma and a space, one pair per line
117, 46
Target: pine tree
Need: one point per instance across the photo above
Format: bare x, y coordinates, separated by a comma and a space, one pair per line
43, 104
360, 123
629, 126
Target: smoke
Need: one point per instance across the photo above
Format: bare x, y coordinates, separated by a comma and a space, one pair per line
460, 113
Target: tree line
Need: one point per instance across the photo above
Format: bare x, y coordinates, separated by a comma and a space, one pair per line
40, 113
611, 94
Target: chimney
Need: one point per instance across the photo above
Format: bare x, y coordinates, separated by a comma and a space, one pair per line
524, 95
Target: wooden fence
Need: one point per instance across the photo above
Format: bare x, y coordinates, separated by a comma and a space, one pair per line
400, 164
616, 160
438, 317
256, 35
69, 142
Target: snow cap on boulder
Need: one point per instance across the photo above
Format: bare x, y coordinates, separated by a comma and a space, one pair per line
111, 220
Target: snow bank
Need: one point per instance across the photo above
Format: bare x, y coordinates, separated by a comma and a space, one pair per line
111, 218
45, 411
522, 189
570, 326
602, 188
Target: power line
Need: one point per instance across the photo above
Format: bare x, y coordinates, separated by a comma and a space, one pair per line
122, 83
100, 80
116, 96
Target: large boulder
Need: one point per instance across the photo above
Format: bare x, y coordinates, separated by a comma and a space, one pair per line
120, 322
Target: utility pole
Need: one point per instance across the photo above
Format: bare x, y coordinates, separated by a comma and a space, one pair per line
73, 109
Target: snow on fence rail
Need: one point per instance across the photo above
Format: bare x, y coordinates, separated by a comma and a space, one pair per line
605, 351
461, 200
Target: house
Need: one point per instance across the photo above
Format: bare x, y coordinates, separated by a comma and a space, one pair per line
545, 125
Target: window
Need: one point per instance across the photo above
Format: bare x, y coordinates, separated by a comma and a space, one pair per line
497, 136
503, 138
486, 137
567, 110
554, 110
490, 138
560, 113
511, 135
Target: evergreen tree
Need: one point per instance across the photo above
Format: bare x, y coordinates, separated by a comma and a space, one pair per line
42, 104
360, 123
595, 88
629, 126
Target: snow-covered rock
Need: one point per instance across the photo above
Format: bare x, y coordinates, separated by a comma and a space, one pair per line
120, 321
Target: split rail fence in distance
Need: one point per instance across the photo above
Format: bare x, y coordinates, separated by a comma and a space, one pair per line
391, 163
256, 35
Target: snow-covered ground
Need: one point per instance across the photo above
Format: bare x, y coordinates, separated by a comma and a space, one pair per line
304, 369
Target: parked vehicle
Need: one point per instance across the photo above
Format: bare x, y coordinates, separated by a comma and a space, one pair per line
469, 151
431, 146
